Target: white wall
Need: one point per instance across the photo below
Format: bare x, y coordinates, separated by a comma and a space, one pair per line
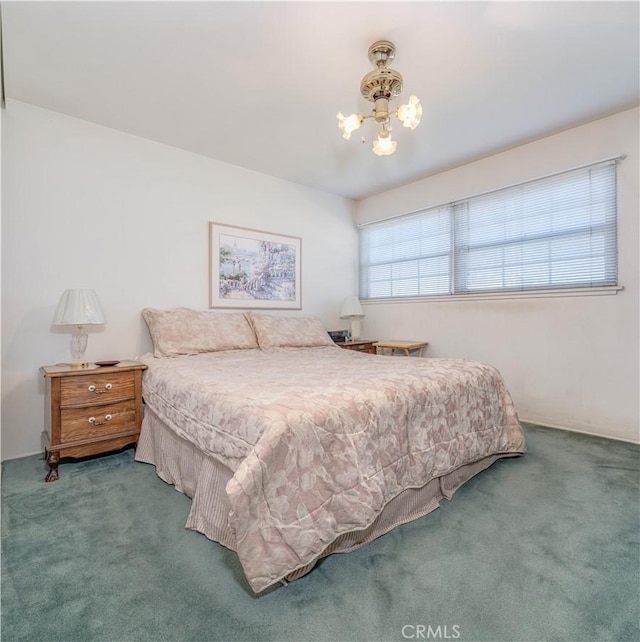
87, 206
569, 362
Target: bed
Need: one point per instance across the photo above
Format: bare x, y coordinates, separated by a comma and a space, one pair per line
292, 449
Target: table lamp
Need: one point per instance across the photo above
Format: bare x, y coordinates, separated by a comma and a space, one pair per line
352, 310
79, 308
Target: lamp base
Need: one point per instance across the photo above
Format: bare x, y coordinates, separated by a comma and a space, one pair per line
355, 329
79, 340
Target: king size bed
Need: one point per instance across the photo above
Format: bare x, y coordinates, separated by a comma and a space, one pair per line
292, 449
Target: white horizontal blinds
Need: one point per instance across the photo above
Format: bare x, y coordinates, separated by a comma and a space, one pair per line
554, 232
407, 256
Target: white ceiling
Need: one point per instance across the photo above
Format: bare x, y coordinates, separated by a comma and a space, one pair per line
258, 84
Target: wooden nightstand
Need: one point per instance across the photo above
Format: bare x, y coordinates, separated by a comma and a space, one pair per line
90, 410
362, 345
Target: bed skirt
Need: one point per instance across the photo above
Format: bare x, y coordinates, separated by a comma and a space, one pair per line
203, 479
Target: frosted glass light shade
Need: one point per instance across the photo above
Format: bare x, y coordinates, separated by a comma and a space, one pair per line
79, 307
410, 114
383, 146
348, 124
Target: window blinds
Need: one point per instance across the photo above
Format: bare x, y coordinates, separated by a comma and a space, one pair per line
409, 256
555, 232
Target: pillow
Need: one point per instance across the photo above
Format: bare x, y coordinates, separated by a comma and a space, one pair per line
184, 331
288, 332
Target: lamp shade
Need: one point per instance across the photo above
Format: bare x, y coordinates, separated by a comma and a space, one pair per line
351, 308
79, 307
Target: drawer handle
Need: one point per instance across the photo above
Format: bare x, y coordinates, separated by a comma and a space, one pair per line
95, 422
107, 387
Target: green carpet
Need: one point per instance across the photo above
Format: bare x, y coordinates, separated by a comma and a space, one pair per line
542, 547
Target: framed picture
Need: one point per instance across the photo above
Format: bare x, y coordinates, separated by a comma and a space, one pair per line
253, 269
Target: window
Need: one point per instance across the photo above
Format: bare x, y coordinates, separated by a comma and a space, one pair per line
555, 232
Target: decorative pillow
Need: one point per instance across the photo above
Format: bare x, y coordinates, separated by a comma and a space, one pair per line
288, 332
184, 331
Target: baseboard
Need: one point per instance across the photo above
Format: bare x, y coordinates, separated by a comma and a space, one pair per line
579, 431
524, 419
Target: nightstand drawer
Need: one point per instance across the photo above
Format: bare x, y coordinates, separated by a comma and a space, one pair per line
360, 345
97, 421
97, 388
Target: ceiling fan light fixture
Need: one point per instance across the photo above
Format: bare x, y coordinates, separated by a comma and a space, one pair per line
410, 114
348, 124
380, 87
384, 146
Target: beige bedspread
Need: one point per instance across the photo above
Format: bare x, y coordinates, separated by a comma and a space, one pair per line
321, 439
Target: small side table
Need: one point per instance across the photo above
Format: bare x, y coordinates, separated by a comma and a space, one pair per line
406, 347
91, 410
361, 345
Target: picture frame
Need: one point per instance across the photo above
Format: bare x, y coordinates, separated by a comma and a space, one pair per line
253, 269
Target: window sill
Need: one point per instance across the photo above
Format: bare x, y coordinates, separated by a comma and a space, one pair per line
528, 294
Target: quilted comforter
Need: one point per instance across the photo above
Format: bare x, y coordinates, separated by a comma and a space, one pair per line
319, 440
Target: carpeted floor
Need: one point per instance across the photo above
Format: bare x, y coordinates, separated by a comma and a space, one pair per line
543, 547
